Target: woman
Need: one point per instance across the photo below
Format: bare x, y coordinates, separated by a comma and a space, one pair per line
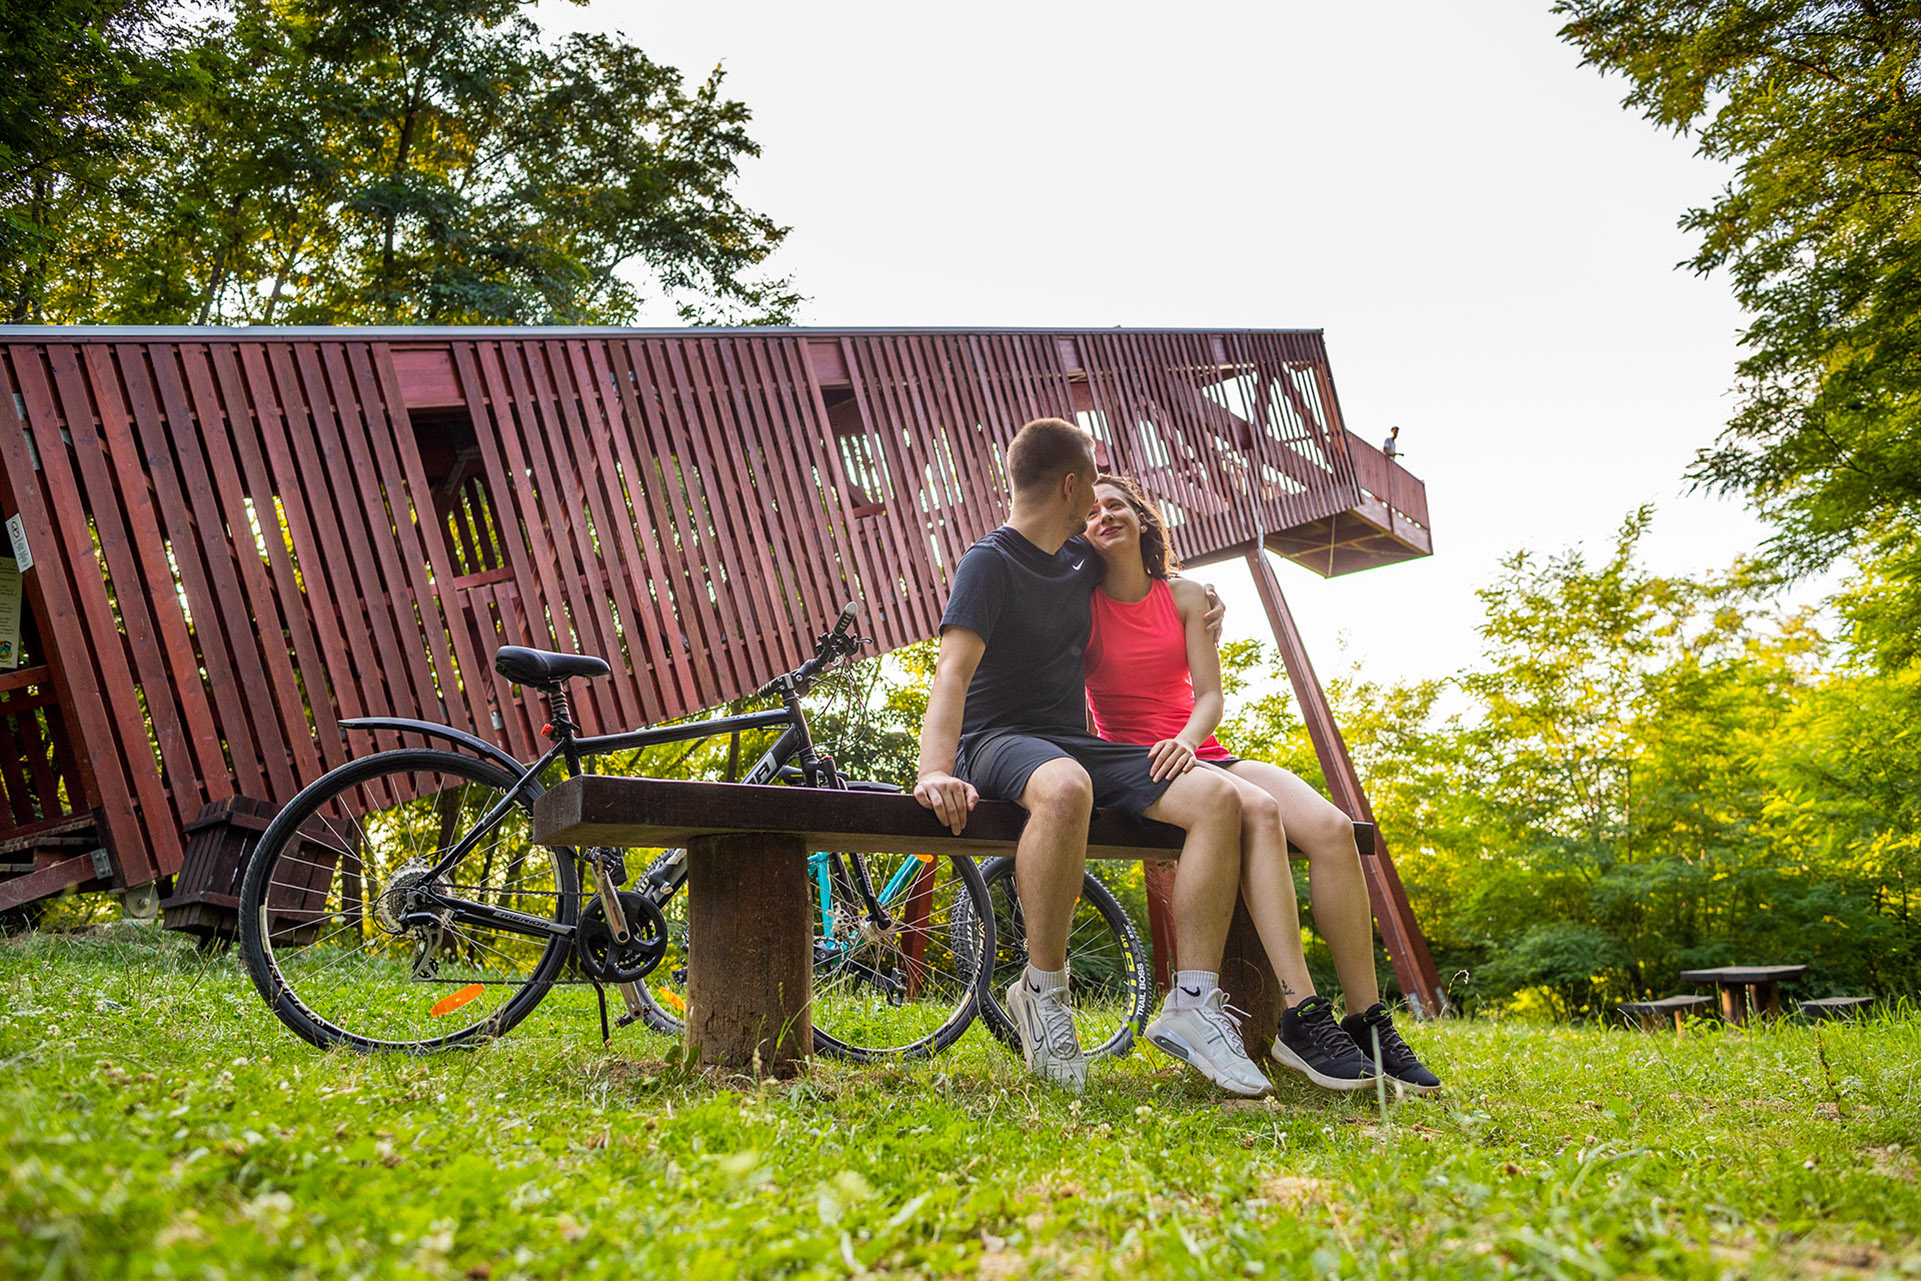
1154, 678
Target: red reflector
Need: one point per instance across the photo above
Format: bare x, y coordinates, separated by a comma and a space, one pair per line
448, 1004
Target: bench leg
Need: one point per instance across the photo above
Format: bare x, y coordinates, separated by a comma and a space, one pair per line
1159, 873
1251, 984
1246, 976
750, 952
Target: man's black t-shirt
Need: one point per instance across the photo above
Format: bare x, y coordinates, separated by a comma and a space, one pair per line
1033, 611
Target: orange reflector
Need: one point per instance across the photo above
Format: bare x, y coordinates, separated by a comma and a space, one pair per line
670, 1000
448, 1004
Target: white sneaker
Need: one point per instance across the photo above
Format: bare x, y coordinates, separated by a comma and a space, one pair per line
1049, 1043
1208, 1039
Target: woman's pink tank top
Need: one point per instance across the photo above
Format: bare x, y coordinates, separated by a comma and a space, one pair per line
1138, 685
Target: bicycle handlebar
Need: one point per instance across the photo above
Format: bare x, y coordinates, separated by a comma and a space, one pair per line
824, 652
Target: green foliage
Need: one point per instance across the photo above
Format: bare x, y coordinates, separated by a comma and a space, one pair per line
1820, 233
369, 161
84, 80
155, 1120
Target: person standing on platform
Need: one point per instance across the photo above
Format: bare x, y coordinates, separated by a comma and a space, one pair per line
1392, 445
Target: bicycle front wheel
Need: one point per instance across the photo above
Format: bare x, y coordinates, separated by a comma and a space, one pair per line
339, 926
1108, 968
900, 945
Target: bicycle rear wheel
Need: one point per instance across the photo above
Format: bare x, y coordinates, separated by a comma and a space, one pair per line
900, 945
663, 994
1108, 967
332, 926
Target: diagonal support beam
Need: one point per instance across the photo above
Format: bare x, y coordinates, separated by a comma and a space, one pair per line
1406, 945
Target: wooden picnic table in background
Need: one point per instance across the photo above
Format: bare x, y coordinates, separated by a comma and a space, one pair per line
1745, 987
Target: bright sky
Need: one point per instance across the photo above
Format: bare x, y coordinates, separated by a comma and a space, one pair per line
1487, 238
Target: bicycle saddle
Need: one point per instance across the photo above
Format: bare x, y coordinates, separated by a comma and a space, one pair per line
539, 667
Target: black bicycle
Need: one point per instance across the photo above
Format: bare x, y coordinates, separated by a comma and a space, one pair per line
399, 902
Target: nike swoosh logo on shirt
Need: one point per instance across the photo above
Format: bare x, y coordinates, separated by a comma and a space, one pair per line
1077, 564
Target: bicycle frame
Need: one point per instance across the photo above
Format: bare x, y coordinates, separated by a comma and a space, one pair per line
796, 741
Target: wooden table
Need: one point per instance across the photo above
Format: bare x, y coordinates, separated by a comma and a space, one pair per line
1747, 987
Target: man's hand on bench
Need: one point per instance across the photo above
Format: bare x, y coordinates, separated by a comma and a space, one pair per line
950, 798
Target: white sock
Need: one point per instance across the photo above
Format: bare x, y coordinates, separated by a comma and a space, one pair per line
1043, 982
1191, 988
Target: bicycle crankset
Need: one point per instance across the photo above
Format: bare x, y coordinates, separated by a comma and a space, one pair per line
610, 962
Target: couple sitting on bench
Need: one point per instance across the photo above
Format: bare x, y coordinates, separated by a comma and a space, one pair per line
1068, 608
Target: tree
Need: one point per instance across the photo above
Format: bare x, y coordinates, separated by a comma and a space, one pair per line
83, 79
1816, 103
425, 162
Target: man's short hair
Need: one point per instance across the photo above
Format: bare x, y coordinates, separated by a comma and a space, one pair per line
1045, 450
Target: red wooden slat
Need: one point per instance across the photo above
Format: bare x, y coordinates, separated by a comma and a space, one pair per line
149, 468
598, 458
707, 488
372, 474
492, 423
224, 631
272, 692
908, 562
669, 658
786, 372
765, 548
248, 420
554, 478
577, 461
121, 544
360, 519
13, 753
438, 601
762, 413
102, 703
666, 488
35, 748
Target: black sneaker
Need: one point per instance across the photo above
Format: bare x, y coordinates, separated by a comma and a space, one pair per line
1397, 1060
1312, 1043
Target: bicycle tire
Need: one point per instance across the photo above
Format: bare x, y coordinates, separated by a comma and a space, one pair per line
663, 994
909, 983
1109, 968
333, 868
958, 925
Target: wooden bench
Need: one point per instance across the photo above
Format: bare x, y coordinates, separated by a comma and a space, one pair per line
1654, 1014
1823, 1008
749, 980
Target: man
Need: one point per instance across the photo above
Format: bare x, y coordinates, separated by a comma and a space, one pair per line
1392, 445
1006, 719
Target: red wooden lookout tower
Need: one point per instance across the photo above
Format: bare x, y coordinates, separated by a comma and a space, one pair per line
238, 537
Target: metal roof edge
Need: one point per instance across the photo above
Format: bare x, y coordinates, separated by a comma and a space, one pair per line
94, 333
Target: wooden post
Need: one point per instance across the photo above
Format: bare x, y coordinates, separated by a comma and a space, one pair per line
1250, 984
1159, 874
1246, 976
1406, 945
750, 959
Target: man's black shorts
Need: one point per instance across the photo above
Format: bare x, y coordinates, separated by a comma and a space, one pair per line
1000, 764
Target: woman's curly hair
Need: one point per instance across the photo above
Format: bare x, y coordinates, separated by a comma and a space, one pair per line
1157, 554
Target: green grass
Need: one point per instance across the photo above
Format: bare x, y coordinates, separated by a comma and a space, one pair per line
159, 1122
